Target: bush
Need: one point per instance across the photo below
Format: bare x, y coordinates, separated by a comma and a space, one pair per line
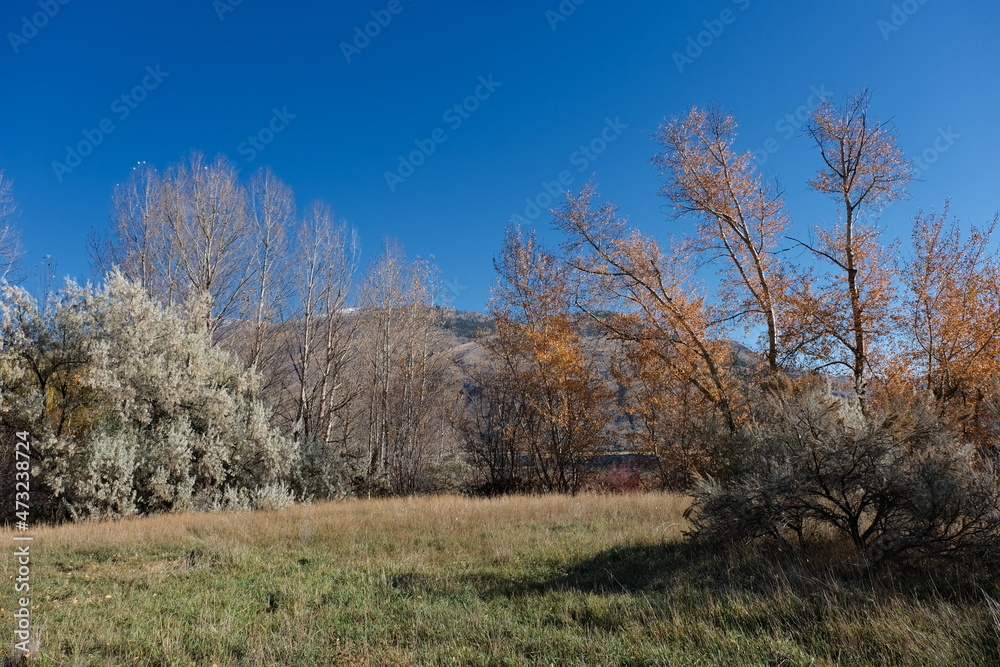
324, 474
130, 408
896, 485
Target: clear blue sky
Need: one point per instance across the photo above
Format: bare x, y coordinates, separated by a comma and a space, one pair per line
212, 74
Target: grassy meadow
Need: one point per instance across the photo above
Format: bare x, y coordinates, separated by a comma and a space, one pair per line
586, 580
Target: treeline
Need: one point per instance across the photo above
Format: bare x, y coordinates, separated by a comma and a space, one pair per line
238, 355
868, 407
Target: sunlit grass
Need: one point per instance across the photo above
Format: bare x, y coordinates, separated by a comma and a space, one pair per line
590, 580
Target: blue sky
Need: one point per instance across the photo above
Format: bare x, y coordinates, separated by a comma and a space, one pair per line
544, 89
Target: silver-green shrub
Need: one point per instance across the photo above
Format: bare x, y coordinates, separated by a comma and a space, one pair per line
131, 408
898, 484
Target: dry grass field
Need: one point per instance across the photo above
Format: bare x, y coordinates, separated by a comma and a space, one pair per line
586, 580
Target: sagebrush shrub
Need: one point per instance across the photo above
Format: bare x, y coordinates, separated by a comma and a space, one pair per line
897, 484
131, 408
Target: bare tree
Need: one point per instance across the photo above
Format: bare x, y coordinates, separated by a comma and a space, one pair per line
10, 240
493, 422
187, 236
271, 207
137, 243
318, 331
402, 370
211, 236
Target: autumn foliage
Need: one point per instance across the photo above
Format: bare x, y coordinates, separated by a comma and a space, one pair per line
801, 383
862, 398
539, 358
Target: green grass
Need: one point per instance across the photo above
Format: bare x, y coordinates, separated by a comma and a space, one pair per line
591, 580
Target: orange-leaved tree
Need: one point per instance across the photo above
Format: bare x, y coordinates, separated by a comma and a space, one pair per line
849, 313
740, 218
952, 316
543, 353
678, 363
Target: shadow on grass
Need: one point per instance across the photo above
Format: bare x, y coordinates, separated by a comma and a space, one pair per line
621, 570
633, 569
765, 594
823, 602
641, 569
